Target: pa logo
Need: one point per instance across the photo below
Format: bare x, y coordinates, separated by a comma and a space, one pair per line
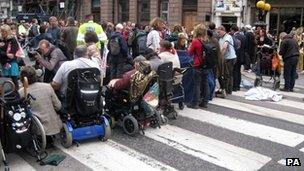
293, 162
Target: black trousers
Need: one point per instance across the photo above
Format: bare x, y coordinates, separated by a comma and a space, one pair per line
237, 77
290, 72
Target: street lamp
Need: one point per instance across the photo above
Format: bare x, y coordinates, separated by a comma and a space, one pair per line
263, 8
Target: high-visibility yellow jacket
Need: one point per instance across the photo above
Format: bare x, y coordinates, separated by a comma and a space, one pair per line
91, 26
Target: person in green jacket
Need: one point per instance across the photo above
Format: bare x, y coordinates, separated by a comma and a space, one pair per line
90, 25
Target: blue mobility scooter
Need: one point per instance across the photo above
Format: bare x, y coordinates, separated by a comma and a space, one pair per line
83, 118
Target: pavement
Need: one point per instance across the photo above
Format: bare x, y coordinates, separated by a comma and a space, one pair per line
232, 134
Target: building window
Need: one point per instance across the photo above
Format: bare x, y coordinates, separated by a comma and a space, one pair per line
143, 11
123, 11
208, 18
95, 3
164, 9
190, 5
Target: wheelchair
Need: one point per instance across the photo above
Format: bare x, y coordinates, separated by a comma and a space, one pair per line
20, 129
83, 108
170, 89
132, 115
264, 67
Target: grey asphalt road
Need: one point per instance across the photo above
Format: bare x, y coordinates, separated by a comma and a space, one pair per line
189, 154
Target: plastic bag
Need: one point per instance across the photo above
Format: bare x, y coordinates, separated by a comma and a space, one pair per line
246, 84
151, 97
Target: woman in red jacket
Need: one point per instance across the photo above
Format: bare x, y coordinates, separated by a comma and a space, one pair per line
200, 85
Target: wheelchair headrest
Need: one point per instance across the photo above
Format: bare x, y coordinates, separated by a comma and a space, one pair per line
83, 72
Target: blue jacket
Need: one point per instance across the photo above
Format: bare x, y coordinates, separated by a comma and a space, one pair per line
55, 33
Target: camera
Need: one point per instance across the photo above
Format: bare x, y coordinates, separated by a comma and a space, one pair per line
32, 53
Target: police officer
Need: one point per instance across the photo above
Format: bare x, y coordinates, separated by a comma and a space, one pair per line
90, 25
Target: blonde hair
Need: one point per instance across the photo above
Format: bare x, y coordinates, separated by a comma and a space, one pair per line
199, 31
7, 29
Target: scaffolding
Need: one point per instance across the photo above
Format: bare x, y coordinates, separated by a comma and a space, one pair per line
51, 7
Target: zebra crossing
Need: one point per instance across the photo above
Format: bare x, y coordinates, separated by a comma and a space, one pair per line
232, 134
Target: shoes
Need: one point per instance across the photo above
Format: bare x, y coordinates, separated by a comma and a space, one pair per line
285, 89
192, 106
218, 92
203, 105
221, 94
291, 90
236, 89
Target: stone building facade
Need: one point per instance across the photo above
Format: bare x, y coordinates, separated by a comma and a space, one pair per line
283, 16
5, 8
185, 12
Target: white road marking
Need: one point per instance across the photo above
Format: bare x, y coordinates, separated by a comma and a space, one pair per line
283, 102
113, 156
16, 163
208, 149
277, 135
262, 111
292, 94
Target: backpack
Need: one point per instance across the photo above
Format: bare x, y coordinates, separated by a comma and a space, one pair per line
17, 133
141, 42
172, 37
210, 55
236, 43
87, 91
114, 46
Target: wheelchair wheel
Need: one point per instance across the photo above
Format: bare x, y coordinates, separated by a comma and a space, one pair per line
156, 120
130, 125
174, 114
107, 130
181, 105
66, 137
38, 133
164, 119
111, 120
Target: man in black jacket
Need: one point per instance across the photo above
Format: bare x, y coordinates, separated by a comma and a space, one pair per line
250, 48
118, 58
240, 57
290, 54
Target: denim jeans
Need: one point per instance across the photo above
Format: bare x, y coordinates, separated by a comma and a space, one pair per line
201, 87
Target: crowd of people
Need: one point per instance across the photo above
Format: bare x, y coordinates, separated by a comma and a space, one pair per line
59, 46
